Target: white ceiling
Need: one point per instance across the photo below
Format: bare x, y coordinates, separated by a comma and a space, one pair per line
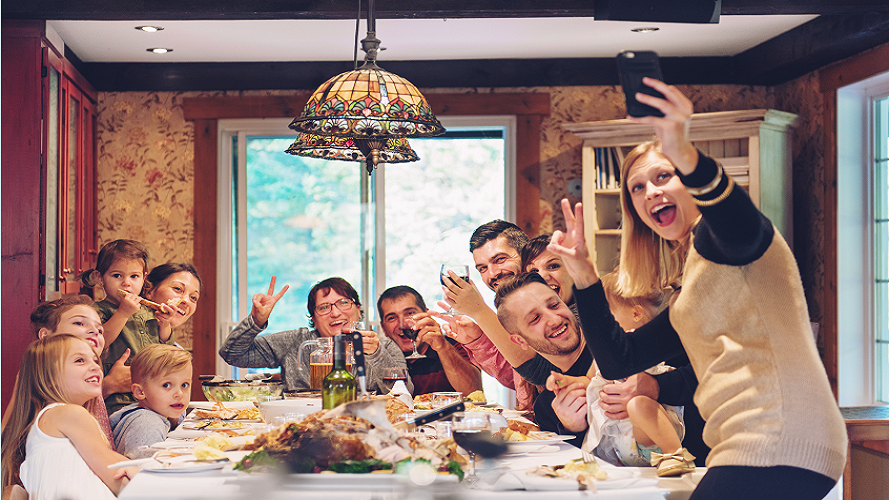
412, 39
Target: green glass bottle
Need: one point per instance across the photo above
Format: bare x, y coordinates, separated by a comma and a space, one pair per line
338, 386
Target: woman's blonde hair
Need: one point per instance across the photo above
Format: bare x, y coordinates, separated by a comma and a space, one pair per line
39, 384
646, 259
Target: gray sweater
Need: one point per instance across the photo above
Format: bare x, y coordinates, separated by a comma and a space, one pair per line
133, 427
244, 349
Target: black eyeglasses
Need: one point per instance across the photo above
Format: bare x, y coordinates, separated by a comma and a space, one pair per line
324, 309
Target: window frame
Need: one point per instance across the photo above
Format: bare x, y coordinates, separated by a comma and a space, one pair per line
856, 258
373, 197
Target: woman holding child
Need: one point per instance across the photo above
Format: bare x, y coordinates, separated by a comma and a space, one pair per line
122, 271
740, 311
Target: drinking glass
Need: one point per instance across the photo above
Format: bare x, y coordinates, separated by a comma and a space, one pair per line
409, 330
393, 374
462, 271
440, 399
467, 424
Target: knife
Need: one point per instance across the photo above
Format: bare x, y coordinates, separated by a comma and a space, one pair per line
434, 415
360, 372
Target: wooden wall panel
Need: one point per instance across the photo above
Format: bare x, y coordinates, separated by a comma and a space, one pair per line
21, 201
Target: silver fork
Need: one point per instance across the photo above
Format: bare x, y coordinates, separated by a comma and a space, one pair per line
588, 457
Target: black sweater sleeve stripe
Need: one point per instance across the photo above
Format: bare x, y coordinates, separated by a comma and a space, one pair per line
733, 231
618, 353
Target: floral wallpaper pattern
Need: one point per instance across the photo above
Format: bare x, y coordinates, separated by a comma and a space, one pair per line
146, 149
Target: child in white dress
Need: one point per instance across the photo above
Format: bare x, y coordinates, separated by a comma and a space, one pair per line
51, 444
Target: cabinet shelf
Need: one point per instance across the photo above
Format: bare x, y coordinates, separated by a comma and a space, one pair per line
752, 145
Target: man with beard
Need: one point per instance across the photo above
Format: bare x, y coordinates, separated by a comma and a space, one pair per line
539, 322
496, 248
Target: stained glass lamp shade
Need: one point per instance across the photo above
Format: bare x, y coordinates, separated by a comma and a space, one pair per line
348, 149
367, 105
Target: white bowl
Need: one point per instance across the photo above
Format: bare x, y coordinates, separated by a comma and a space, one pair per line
268, 410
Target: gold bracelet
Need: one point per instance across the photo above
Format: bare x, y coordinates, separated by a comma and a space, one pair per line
724, 195
709, 187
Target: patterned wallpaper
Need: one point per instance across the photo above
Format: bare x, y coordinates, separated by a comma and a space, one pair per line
145, 164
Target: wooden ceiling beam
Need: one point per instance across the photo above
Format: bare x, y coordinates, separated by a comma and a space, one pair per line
108, 10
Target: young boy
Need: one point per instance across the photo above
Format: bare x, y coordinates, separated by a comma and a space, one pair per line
162, 386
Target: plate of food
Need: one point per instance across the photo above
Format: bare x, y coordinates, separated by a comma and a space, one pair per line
214, 424
576, 474
184, 466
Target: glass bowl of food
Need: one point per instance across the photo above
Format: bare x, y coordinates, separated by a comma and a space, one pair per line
242, 390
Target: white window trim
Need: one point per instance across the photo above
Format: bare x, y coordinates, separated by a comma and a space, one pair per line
856, 341
227, 128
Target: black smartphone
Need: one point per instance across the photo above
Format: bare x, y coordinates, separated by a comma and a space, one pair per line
633, 66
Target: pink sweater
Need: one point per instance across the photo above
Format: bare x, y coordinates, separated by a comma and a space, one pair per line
485, 355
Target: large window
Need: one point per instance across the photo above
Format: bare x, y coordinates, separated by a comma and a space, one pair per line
863, 242
305, 219
880, 165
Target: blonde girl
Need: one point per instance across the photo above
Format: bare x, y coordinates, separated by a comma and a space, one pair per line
740, 313
75, 315
60, 373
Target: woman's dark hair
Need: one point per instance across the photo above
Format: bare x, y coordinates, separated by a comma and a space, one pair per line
114, 250
47, 314
164, 271
336, 284
533, 249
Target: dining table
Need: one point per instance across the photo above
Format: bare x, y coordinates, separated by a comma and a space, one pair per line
499, 479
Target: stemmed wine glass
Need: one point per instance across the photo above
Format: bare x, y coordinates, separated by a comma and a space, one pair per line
409, 330
462, 271
466, 425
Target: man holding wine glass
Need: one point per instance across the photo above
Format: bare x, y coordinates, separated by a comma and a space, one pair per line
440, 364
496, 248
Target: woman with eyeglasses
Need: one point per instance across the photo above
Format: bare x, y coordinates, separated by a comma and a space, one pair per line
332, 304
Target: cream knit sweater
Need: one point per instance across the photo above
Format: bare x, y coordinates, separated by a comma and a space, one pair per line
762, 387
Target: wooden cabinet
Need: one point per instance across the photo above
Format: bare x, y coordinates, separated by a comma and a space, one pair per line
69, 153
753, 145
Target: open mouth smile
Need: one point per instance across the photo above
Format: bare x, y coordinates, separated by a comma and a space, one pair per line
664, 213
93, 380
558, 333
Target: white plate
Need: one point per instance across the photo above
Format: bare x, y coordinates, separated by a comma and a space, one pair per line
234, 405
178, 467
617, 478
531, 443
196, 425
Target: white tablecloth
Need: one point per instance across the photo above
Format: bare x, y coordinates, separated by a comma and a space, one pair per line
503, 476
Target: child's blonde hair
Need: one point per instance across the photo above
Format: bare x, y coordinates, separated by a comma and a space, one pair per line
646, 259
156, 360
39, 384
650, 301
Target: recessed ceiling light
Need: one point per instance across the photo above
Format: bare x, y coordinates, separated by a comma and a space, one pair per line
646, 29
159, 50
149, 29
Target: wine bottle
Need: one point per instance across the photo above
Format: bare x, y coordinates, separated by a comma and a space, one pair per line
338, 386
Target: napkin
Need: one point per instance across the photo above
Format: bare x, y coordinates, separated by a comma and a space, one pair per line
399, 391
